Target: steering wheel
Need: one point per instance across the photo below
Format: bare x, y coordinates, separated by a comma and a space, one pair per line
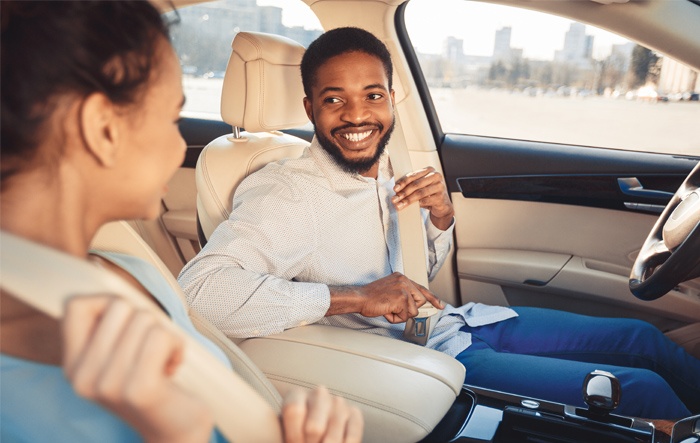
671, 253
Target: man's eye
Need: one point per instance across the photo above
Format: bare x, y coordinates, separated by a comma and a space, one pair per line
375, 96
331, 100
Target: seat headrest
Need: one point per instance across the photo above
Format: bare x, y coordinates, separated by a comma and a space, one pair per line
262, 88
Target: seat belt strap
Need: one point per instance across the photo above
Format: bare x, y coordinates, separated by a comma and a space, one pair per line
412, 240
46, 278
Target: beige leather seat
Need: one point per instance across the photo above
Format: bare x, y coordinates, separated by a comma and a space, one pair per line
262, 93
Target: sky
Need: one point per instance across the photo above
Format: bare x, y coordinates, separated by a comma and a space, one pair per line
538, 34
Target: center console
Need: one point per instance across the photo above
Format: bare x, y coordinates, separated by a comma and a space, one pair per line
482, 415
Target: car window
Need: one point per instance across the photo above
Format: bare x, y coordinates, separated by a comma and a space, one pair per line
202, 36
505, 72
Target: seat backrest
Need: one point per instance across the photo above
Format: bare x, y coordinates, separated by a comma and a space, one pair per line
121, 237
262, 92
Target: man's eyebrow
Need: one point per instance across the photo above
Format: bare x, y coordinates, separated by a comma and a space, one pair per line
339, 89
375, 86
330, 89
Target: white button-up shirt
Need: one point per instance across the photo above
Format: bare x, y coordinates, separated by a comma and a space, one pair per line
298, 226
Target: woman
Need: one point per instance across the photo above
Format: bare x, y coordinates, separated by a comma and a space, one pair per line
91, 96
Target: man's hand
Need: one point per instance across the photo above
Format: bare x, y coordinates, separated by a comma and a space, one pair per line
395, 297
428, 188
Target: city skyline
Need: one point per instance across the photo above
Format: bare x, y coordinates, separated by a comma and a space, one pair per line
537, 45
555, 39
576, 47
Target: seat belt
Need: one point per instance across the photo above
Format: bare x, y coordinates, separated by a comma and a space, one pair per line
46, 278
412, 239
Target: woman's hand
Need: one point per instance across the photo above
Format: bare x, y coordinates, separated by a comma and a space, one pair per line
123, 359
318, 416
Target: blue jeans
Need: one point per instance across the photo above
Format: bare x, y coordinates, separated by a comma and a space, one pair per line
546, 354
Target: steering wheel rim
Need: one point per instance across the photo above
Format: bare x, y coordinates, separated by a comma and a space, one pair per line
671, 253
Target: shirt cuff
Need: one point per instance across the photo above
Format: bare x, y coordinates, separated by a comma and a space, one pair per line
311, 302
435, 233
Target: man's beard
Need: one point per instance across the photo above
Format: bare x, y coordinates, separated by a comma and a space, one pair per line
359, 166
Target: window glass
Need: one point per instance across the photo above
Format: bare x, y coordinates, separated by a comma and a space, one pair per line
506, 72
202, 38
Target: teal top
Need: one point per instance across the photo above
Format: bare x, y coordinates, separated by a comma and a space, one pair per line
37, 404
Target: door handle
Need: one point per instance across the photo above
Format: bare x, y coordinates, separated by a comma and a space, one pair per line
633, 187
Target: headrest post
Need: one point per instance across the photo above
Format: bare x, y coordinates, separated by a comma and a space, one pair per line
236, 136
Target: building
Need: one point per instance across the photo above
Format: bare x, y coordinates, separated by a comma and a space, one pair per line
224, 20
621, 55
578, 47
270, 20
501, 45
453, 49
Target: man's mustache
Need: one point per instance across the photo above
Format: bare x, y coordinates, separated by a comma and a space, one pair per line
377, 126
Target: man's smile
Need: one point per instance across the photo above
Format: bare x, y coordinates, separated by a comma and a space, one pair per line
356, 136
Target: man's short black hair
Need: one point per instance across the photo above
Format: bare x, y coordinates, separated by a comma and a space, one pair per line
337, 42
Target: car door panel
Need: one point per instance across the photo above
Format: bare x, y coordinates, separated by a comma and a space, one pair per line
548, 225
173, 236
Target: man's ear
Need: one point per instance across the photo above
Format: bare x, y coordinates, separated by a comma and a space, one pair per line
393, 100
99, 128
309, 110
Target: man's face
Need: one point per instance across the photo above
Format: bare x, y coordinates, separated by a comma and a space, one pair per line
352, 109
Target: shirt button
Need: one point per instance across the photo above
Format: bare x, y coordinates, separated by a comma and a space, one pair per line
303, 323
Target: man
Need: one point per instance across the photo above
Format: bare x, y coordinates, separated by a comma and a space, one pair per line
315, 239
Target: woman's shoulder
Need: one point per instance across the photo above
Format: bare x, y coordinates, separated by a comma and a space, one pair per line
128, 262
162, 290
143, 271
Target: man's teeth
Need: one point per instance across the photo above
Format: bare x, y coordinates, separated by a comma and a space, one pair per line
356, 137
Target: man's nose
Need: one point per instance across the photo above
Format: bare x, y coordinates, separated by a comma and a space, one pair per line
355, 111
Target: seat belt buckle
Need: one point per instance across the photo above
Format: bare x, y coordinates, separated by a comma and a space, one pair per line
419, 328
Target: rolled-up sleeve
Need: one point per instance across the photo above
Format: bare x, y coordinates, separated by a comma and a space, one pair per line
439, 244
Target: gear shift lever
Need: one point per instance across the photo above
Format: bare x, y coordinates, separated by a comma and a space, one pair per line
601, 392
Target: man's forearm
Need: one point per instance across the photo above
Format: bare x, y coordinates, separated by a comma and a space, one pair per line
344, 300
442, 223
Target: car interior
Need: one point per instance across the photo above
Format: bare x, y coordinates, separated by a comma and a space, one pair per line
537, 224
